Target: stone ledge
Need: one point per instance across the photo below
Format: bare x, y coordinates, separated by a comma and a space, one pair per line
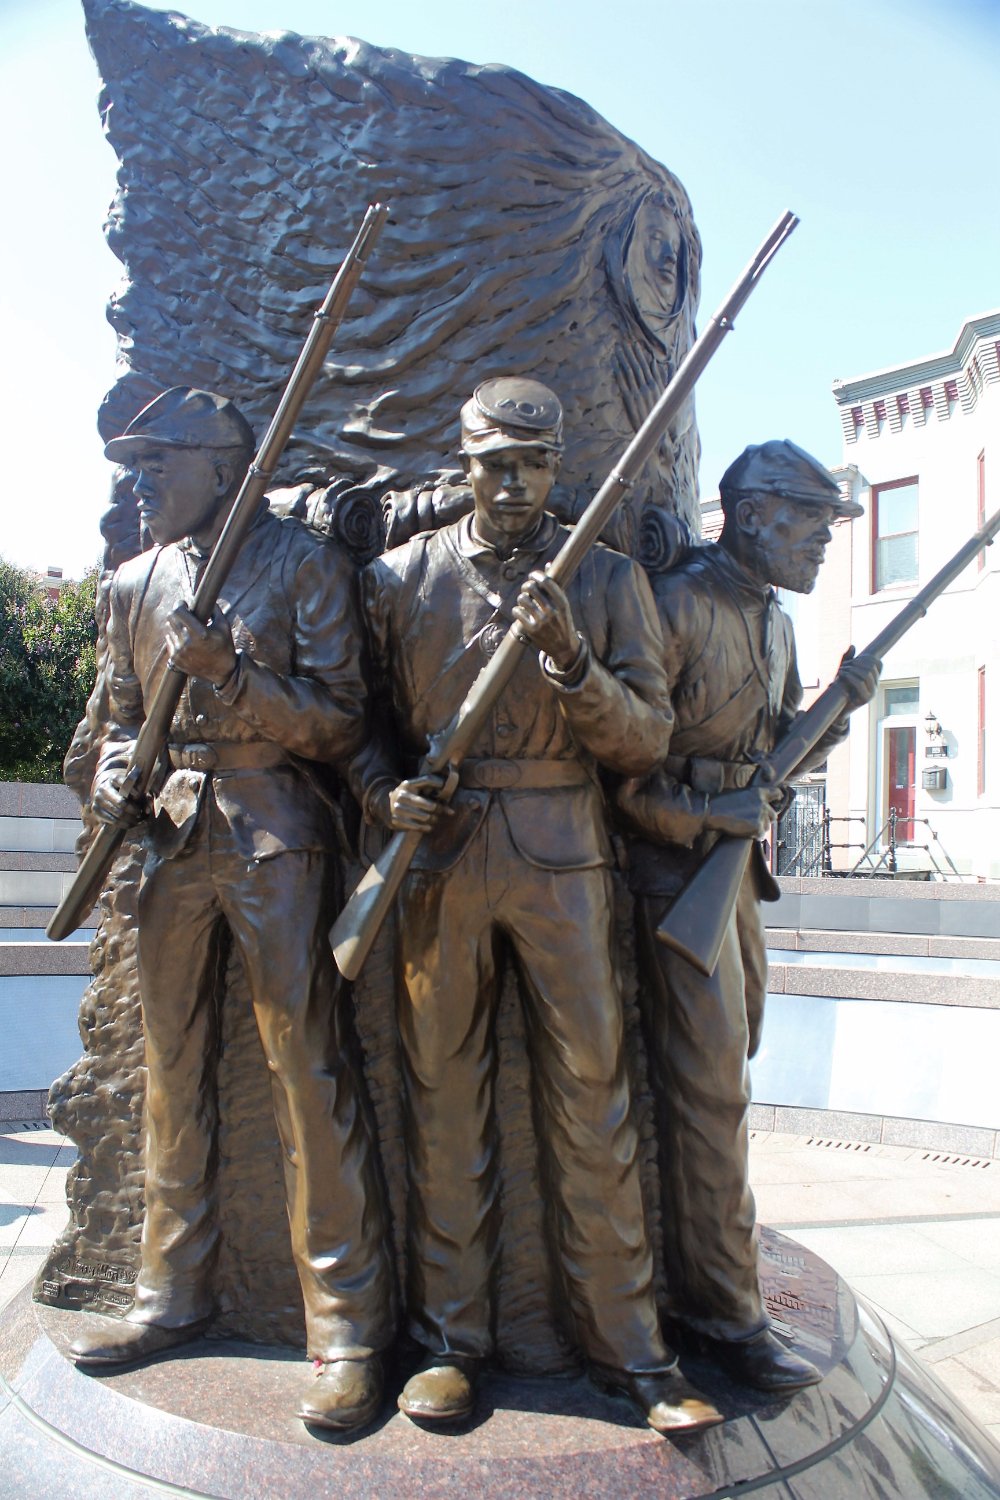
904, 890
48, 860
24, 1104
883, 1130
44, 958
880, 984
894, 944
39, 916
36, 799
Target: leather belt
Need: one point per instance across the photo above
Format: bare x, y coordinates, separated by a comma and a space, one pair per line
705, 774
237, 755
499, 775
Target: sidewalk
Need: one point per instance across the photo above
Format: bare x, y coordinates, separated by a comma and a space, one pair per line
917, 1233
34, 1161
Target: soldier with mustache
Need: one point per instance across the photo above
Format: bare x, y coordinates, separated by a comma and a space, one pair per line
730, 661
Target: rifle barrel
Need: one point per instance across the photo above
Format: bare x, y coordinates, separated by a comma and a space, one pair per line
355, 930
93, 871
695, 925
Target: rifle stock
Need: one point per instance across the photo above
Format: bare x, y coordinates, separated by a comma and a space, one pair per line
695, 926
355, 930
145, 757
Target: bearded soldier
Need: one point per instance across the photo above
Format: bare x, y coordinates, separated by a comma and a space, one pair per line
729, 656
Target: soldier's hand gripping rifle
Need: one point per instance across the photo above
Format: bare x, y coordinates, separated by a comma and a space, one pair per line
695, 925
356, 928
152, 737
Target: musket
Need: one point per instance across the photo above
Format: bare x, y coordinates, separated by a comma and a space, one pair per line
152, 736
695, 925
356, 928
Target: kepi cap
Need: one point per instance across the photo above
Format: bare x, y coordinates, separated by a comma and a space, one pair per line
512, 412
780, 467
183, 418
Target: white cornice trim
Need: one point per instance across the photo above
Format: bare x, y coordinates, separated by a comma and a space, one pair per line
948, 365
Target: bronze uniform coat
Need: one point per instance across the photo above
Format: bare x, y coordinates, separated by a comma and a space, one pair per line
290, 602
729, 656
435, 607
527, 861
250, 846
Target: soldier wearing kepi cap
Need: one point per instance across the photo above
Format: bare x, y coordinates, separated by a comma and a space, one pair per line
522, 853
183, 418
242, 839
509, 414
729, 656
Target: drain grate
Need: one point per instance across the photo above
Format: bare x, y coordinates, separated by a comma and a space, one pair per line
25, 1125
956, 1161
838, 1145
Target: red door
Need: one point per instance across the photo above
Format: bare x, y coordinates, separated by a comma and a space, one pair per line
901, 754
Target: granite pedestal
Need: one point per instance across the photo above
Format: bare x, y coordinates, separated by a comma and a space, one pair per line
216, 1420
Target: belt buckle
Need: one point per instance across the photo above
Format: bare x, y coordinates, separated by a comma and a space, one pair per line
501, 774
201, 757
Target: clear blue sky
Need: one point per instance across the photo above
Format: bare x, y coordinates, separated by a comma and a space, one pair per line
875, 120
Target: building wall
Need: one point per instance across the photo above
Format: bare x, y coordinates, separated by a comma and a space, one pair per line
930, 421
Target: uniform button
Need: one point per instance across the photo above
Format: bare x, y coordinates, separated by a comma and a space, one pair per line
511, 570
504, 728
201, 720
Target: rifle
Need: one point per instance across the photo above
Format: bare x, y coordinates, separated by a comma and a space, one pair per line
151, 739
695, 925
356, 928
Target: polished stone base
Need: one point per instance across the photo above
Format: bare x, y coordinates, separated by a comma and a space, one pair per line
215, 1419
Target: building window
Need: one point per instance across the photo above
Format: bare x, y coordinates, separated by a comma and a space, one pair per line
981, 503
981, 735
894, 534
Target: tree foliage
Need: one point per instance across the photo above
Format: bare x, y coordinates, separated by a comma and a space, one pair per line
47, 667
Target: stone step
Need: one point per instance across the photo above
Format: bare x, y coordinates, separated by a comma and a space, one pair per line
37, 859
68, 957
915, 944
842, 983
38, 917
915, 908
44, 835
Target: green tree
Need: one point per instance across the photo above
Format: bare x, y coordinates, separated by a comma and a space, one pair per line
47, 666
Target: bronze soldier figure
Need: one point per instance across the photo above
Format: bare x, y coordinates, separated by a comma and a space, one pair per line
522, 854
729, 655
243, 839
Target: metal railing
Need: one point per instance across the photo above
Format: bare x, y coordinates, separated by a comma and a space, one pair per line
881, 853
812, 853
806, 848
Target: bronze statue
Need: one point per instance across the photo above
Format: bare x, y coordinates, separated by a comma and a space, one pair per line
520, 855
729, 656
553, 269
241, 844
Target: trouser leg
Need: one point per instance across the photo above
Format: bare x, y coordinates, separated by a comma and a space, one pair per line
697, 1042
753, 951
280, 913
560, 925
179, 950
447, 1004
